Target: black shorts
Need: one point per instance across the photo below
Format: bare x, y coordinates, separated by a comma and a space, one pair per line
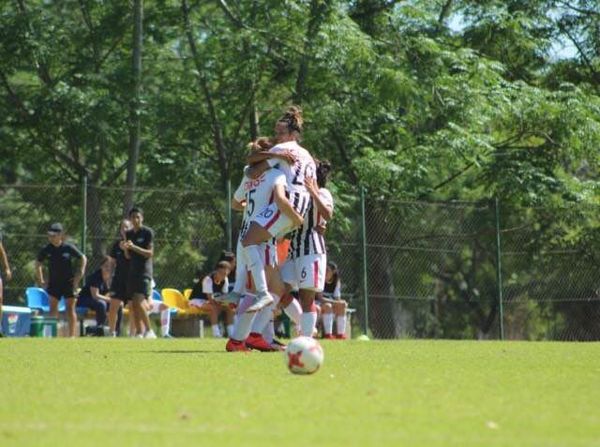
118, 289
61, 289
139, 286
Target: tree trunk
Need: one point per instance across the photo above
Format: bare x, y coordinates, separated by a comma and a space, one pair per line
134, 114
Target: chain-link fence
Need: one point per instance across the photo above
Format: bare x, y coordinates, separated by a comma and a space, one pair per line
428, 270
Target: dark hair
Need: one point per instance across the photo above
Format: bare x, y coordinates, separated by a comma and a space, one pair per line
334, 268
223, 265
227, 256
135, 209
323, 170
293, 118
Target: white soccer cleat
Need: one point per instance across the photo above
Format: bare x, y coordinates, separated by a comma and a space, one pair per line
229, 298
261, 302
150, 334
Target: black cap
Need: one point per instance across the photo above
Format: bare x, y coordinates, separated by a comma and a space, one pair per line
55, 228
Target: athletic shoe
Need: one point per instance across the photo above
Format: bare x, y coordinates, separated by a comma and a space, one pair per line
256, 341
278, 343
328, 337
167, 336
232, 298
150, 334
341, 336
261, 301
236, 346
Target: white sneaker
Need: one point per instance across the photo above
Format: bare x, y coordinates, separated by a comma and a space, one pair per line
261, 301
150, 334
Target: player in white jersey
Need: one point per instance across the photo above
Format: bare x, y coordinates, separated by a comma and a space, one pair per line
273, 220
307, 261
269, 187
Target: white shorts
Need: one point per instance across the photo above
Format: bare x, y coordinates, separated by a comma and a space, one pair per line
305, 272
274, 221
268, 255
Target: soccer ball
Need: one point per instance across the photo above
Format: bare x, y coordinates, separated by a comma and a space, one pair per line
303, 355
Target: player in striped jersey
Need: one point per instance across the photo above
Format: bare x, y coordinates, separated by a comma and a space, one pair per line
273, 221
307, 260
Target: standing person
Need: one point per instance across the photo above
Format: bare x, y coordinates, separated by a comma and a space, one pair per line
273, 221
118, 286
230, 258
205, 294
94, 294
332, 304
139, 249
62, 280
307, 262
8, 276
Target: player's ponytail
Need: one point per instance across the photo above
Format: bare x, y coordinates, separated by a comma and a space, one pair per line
293, 119
260, 144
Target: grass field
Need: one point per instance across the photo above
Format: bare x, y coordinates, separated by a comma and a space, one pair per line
80, 392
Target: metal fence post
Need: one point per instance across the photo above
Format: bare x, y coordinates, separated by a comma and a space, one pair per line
229, 217
84, 186
499, 269
363, 227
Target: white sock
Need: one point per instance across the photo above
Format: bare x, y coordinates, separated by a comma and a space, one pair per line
328, 323
216, 331
308, 320
242, 330
340, 322
230, 330
293, 310
263, 317
255, 265
269, 332
165, 322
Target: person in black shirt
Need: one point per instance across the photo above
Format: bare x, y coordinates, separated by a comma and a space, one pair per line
139, 249
94, 294
8, 276
118, 286
62, 280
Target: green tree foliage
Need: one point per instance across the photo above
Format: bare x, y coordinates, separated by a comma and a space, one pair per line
414, 100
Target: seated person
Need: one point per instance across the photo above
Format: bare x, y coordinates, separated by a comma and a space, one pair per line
331, 304
205, 291
94, 294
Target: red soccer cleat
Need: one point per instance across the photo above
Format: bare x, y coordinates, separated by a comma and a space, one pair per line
341, 336
236, 346
256, 341
328, 337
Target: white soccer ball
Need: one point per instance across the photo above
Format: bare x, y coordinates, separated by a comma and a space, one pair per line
303, 355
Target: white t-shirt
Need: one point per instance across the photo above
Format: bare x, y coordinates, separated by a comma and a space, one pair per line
258, 193
303, 168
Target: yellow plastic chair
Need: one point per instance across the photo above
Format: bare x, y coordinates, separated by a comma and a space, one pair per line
173, 298
187, 294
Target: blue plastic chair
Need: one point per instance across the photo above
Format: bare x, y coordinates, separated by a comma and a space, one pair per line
156, 296
38, 298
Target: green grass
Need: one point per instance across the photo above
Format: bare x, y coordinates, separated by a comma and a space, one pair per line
79, 392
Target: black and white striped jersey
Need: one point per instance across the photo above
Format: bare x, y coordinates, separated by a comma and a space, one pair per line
306, 240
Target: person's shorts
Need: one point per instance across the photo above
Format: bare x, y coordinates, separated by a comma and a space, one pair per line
62, 289
274, 221
198, 302
306, 272
118, 289
138, 286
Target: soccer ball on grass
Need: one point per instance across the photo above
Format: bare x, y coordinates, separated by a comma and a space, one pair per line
303, 355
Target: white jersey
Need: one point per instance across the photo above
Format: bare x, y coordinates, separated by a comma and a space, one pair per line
295, 174
306, 240
258, 194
